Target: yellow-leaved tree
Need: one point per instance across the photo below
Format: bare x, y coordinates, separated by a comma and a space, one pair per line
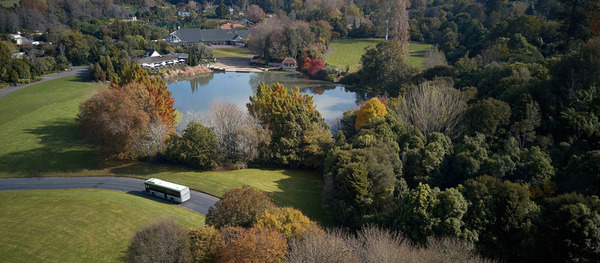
373, 108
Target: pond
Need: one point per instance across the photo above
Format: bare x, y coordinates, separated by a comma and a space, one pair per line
198, 92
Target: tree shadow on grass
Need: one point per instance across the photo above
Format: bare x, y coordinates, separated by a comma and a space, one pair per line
303, 190
61, 151
145, 169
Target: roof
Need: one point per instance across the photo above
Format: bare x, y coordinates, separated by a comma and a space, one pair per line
158, 59
207, 35
289, 60
165, 184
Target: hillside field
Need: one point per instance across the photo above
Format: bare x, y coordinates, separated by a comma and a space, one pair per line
82, 225
348, 52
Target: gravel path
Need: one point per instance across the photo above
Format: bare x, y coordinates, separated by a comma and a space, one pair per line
75, 71
198, 202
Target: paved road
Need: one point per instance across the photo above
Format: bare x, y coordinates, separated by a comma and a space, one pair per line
198, 202
76, 71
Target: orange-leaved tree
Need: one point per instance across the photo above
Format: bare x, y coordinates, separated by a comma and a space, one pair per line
373, 108
252, 245
163, 102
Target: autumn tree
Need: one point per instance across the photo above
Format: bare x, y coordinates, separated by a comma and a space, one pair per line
290, 222
252, 245
373, 108
255, 14
205, 243
162, 241
163, 102
238, 207
117, 119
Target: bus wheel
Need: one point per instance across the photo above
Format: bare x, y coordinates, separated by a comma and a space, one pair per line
152, 193
172, 200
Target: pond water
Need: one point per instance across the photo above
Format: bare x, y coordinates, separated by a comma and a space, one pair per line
198, 92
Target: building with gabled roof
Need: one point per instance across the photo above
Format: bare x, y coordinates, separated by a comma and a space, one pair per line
188, 36
289, 64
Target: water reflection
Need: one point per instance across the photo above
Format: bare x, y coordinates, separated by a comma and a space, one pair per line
198, 92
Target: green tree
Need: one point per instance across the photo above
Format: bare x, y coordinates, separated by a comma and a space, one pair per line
238, 207
300, 135
196, 147
222, 10
583, 174
487, 116
500, 217
424, 212
384, 68
569, 229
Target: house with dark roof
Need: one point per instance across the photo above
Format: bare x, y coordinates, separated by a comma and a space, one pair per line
187, 36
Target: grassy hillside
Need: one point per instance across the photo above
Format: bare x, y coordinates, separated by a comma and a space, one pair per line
38, 132
85, 225
348, 52
39, 137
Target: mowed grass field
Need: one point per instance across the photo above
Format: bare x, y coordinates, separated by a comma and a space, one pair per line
38, 132
9, 3
348, 53
84, 225
39, 137
232, 52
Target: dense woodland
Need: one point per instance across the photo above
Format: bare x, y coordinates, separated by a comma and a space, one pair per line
494, 142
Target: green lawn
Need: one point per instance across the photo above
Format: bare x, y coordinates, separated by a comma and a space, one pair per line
232, 52
8, 3
84, 225
39, 137
348, 53
38, 132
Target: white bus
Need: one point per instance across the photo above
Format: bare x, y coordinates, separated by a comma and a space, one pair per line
167, 190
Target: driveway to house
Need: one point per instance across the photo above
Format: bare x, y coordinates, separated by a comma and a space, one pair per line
75, 71
198, 202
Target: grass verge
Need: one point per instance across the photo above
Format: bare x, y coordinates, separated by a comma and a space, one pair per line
83, 225
348, 52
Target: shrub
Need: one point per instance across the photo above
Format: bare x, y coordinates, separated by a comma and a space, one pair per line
288, 221
196, 148
252, 245
205, 243
163, 241
238, 207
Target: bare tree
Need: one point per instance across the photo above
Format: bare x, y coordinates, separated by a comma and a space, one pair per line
228, 122
434, 107
320, 246
391, 20
162, 241
434, 57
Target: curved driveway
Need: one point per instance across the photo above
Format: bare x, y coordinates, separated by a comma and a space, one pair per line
198, 202
81, 71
